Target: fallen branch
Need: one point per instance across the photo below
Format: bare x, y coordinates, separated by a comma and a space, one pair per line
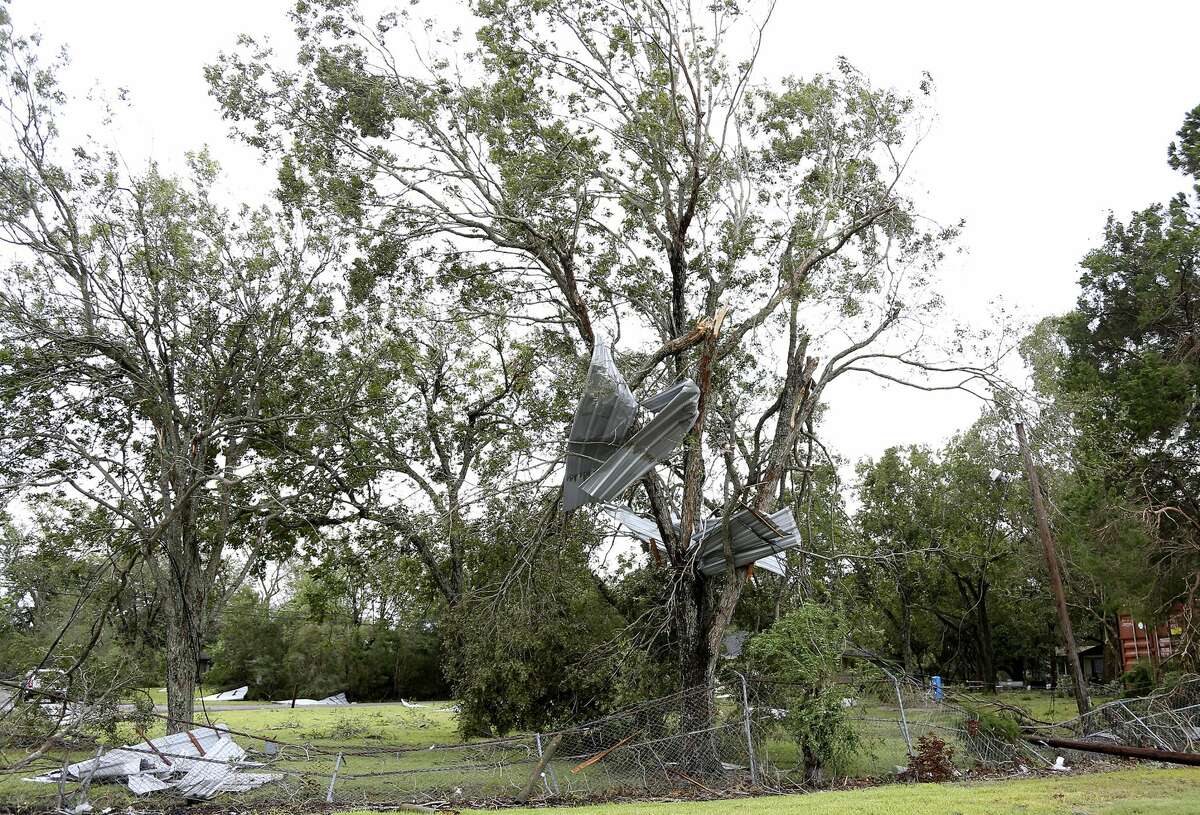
1122, 750
590, 761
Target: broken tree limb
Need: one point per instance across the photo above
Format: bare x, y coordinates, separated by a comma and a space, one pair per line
536, 775
154, 747
1122, 750
196, 743
598, 756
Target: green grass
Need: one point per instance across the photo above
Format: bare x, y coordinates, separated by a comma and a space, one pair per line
1123, 792
1044, 705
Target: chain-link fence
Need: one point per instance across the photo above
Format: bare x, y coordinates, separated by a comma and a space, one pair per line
1167, 720
700, 742
889, 717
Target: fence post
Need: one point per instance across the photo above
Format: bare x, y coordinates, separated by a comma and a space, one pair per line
81, 796
62, 782
749, 731
900, 702
337, 765
551, 749
548, 777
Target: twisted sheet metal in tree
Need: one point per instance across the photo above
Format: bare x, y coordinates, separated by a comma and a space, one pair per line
601, 461
755, 537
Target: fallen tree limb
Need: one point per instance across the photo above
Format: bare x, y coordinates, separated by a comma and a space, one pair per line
589, 762
1122, 750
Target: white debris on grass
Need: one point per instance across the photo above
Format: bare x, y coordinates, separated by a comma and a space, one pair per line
409, 704
199, 763
235, 695
336, 699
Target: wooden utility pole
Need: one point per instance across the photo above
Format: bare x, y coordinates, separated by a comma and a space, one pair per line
1060, 598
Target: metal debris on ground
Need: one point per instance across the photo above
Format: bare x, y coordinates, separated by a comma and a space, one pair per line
602, 459
336, 699
196, 764
235, 695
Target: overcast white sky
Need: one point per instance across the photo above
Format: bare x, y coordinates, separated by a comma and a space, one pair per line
1049, 115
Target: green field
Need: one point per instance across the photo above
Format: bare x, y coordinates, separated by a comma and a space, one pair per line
1124, 792
323, 731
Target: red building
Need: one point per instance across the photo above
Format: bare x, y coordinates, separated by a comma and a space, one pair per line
1156, 643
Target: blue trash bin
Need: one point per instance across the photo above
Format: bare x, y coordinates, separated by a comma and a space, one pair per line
937, 688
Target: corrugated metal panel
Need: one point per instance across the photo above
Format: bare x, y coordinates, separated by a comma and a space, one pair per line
601, 463
642, 528
747, 529
205, 778
755, 537
602, 420
143, 783
235, 695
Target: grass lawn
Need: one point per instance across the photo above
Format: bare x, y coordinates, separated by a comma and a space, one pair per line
1123, 792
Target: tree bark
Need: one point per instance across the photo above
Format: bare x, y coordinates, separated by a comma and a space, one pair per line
182, 651
186, 606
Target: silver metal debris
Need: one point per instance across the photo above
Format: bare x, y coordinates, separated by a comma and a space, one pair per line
336, 699
755, 537
601, 460
235, 695
199, 763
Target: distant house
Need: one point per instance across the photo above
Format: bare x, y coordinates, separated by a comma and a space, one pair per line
1091, 661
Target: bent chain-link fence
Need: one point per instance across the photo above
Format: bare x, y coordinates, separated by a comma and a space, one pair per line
1167, 720
701, 742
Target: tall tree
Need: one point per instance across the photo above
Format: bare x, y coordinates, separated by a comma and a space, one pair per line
1133, 369
164, 360
619, 170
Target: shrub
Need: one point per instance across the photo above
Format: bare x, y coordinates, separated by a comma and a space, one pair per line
1138, 680
933, 761
982, 722
802, 651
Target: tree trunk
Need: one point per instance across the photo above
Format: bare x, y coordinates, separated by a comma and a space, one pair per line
182, 651
699, 708
906, 649
701, 621
1082, 702
182, 581
987, 651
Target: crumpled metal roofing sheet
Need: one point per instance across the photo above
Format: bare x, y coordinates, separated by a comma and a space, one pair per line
235, 695
206, 777
755, 537
602, 420
601, 462
143, 783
